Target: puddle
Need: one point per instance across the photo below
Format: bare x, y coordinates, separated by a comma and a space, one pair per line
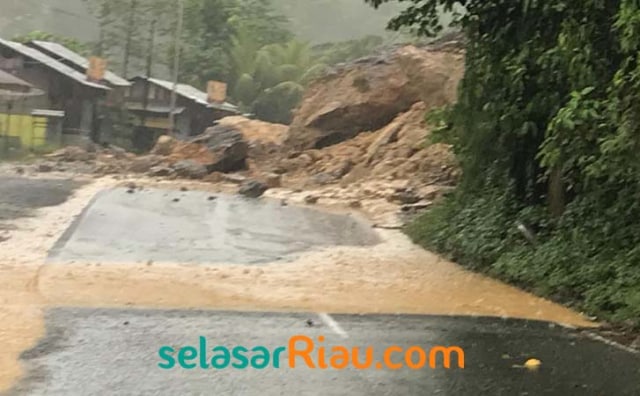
196, 227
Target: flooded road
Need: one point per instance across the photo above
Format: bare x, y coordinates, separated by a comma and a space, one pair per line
392, 276
127, 226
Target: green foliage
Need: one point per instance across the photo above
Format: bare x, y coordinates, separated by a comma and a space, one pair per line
549, 104
68, 42
271, 81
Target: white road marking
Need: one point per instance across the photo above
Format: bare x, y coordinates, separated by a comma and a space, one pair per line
614, 344
329, 321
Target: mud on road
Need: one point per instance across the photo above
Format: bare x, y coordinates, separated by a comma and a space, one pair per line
393, 276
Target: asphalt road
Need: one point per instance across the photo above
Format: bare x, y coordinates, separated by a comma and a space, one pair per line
116, 352
196, 227
19, 196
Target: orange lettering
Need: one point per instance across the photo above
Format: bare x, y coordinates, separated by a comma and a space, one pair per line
387, 358
446, 353
304, 354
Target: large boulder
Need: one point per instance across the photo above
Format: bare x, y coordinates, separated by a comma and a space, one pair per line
369, 93
227, 147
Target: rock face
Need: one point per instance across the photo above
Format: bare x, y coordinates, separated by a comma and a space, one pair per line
369, 93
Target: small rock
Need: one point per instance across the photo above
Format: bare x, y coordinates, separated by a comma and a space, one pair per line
405, 196
284, 203
190, 169
20, 170
310, 323
215, 177
160, 171
355, 204
233, 178
311, 199
274, 180
131, 191
253, 189
323, 178
45, 168
164, 146
132, 186
184, 189
212, 198
176, 200
144, 164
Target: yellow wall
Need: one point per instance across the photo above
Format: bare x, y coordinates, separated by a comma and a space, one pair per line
21, 125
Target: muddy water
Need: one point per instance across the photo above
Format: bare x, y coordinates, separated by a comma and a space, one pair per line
391, 277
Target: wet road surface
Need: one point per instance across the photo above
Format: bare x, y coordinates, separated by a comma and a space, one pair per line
19, 196
115, 352
197, 227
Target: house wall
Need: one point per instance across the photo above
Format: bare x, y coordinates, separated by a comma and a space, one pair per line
28, 131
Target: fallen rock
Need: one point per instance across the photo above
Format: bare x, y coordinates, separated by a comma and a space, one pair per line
160, 171
145, 163
164, 145
190, 169
215, 177
368, 94
72, 154
273, 180
311, 199
234, 178
405, 196
45, 168
228, 148
253, 189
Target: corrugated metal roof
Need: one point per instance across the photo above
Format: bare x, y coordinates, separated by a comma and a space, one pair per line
67, 54
51, 63
189, 92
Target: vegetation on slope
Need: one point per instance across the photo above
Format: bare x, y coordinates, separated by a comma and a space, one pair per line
546, 130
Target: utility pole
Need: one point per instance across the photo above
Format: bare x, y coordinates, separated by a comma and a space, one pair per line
145, 99
129, 38
176, 68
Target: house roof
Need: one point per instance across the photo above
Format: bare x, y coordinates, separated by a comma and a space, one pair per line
192, 93
10, 82
11, 87
65, 53
51, 63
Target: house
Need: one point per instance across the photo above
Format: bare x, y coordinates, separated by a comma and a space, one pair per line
112, 124
66, 89
193, 113
18, 130
78, 62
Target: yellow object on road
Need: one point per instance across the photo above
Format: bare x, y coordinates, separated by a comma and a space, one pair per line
533, 364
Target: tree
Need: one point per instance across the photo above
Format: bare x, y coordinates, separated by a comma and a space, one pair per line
547, 131
125, 26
